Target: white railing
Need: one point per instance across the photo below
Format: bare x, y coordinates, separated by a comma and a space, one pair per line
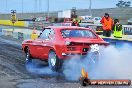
127, 29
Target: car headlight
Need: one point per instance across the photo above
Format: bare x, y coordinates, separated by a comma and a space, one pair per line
67, 43
94, 47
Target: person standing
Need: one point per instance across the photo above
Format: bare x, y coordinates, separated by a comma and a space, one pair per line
107, 23
75, 22
117, 29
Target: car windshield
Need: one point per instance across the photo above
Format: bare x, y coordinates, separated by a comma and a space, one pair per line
76, 33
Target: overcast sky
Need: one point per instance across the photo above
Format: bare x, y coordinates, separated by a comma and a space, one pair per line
55, 5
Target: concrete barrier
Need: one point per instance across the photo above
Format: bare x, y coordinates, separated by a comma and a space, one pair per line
15, 35
118, 42
1, 32
7, 32
21, 34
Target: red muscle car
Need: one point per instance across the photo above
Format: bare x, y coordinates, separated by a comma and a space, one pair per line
56, 44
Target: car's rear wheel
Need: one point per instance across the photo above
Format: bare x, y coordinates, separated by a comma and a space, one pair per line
28, 56
55, 63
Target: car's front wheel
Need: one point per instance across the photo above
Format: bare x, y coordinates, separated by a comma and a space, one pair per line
55, 63
28, 56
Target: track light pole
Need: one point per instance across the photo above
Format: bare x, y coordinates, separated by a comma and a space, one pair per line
90, 4
48, 9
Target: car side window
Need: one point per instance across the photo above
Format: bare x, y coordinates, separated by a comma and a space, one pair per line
47, 34
52, 33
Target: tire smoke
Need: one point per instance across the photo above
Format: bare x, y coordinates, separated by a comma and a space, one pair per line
114, 63
39, 68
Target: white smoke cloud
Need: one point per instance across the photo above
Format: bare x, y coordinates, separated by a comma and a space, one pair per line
37, 67
114, 63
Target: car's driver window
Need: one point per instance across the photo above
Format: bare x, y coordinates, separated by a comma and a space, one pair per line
51, 35
47, 34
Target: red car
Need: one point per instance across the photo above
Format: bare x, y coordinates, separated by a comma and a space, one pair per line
56, 44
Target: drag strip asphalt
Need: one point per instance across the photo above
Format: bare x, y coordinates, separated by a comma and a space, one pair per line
13, 72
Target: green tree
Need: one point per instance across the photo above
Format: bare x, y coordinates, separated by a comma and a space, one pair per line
122, 4
128, 4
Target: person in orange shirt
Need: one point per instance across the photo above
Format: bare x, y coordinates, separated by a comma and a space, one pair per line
107, 23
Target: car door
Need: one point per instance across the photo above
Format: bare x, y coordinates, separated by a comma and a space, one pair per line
46, 37
34, 48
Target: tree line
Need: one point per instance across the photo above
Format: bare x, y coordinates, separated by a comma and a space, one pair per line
122, 4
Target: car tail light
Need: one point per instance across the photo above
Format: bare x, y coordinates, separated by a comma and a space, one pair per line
85, 50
